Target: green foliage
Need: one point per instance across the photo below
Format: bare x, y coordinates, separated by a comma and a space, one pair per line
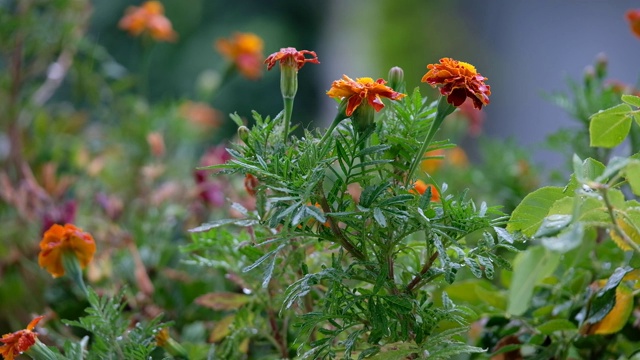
111, 334
367, 262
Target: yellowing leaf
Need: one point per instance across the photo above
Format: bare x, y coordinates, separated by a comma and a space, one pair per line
222, 300
629, 229
221, 329
618, 316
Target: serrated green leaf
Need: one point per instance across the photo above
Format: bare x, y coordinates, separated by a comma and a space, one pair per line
632, 174
530, 213
530, 267
631, 100
608, 128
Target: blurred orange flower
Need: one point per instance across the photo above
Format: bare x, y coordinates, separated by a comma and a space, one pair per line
634, 21
458, 80
150, 18
362, 89
291, 54
421, 187
245, 51
20, 341
251, 184
456, 157
201, 114
60, 239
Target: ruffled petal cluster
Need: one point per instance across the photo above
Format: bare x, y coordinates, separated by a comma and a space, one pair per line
148, 18
68, 238
362, 89
245, 51
20, 341
293, 56
458, 81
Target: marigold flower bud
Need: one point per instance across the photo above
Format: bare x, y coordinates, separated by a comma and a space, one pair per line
601, 66
243, 133
396, 77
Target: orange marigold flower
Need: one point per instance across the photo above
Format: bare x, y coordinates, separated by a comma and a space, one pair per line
245, 51
294, 56
634, 21
20, 341
362, 89
458, 80
148, 17
59, 239
421, 187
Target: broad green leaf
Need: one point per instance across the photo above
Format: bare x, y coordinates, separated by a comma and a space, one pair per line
608, 128
615, 164
530, 213
554, 325
591, 169
553, 224
632, 174
631, 100
605, 299
567, 240
530, 268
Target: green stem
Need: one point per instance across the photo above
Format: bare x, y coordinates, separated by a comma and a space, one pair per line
72, 268
623, 235
339, 117
443, 110
288, 109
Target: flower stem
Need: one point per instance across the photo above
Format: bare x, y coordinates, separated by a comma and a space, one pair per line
72, 268
339, 117
288, 109
444, 109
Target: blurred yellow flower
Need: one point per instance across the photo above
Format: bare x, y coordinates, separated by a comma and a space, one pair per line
244, 50
60, 239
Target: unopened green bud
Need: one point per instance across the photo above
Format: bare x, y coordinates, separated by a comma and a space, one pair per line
396, 77
589, 77
601, 66
243, 133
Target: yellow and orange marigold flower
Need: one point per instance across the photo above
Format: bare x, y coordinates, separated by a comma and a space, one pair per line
148, 18
633, 16
60, 239
245, 51
362, 89
292, 55
458, 80
421, 187
20, 341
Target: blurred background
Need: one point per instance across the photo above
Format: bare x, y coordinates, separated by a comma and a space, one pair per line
526, 49
105, 130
